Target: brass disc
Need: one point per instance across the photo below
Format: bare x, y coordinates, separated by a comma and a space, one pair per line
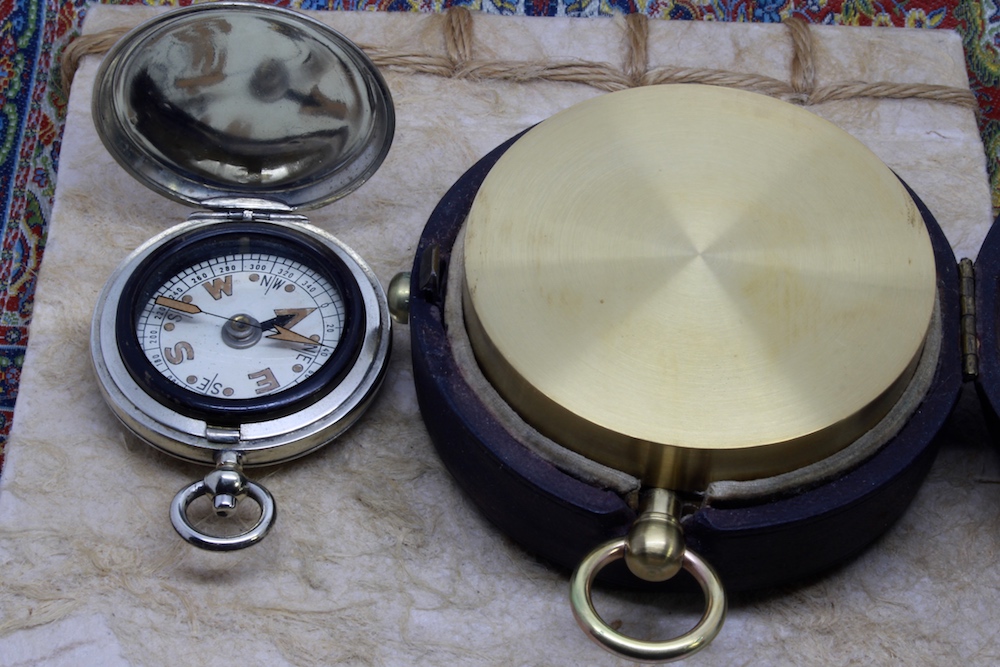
692, 283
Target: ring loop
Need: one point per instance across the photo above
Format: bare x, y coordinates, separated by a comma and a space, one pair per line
646, 651
184, 527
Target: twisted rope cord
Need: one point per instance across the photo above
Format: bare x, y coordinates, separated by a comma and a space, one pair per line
803, 66
460, 63
637, 48
85, 45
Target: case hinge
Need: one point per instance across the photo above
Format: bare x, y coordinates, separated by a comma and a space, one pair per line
247, 215
967, 304
222, 435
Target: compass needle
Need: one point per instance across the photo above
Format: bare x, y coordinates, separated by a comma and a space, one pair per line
174, 304
286, 317
291, 336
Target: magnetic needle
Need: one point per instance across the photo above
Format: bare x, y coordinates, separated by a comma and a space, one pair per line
243, 336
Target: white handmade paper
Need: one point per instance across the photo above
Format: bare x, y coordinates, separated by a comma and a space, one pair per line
377, 558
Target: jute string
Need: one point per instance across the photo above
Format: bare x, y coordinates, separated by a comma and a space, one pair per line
460, 62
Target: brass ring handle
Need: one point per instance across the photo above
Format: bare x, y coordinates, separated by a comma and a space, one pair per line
646, 651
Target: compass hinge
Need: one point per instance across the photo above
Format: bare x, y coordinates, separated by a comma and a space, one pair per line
967, 305
247, 215
430, 278
222, 435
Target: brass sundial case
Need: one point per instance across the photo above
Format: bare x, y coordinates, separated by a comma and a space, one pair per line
691, 287
736, 289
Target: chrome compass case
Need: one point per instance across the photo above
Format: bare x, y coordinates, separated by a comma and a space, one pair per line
243, 336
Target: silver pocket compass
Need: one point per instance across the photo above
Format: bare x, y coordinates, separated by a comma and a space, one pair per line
243, 336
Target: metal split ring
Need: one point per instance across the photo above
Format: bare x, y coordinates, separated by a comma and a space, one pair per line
184, 527
646, 651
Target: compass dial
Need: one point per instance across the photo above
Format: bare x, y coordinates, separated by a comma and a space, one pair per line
237, 323
242, 325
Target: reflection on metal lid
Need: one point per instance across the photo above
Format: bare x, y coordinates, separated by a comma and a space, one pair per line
236, 100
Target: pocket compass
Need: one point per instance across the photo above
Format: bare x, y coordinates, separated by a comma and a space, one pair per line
684, 328
243, 336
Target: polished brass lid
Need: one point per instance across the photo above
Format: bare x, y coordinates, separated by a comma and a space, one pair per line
692, 283
242, 105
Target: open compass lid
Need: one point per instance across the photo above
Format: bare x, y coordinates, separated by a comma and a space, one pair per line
241, 105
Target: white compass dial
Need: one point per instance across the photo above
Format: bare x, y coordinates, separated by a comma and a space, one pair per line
241, 326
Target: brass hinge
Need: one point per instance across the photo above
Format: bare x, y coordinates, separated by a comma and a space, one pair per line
967, 304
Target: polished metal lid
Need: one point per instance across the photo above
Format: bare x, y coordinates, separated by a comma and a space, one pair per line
241, 105
692, 284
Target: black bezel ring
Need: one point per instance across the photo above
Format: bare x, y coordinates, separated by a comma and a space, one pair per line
212, 241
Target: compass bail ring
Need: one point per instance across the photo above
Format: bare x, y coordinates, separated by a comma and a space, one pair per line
613, 641
182, 523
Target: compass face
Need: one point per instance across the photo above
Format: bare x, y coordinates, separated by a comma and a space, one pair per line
205, 325
239, 322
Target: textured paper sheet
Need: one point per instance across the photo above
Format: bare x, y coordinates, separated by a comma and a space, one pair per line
376, 557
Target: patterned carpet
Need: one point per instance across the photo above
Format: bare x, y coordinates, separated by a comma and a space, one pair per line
33, 34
